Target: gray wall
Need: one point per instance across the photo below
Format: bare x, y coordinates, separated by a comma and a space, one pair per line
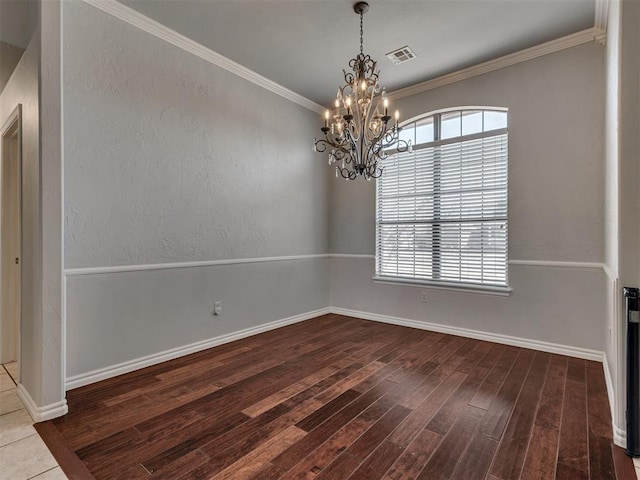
23, 88
171, 159
9, 57
556, 199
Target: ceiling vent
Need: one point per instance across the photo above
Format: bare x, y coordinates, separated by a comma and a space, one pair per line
401, 55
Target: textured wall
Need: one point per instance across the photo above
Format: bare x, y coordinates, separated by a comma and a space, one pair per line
561, 305
556, 208
169, 158
556, 143
159, 310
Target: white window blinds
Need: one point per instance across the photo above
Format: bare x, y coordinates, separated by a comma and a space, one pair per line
442, 211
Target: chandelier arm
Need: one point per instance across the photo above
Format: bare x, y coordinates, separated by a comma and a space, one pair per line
324, 143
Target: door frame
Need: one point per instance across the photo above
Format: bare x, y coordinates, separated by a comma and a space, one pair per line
12, 128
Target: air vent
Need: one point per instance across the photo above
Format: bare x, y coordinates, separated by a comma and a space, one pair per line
401, 55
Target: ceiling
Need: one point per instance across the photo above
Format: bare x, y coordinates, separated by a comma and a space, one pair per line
304, 45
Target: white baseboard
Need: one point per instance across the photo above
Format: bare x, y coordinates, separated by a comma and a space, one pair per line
41, 414
619, 434
138, 363
570, 351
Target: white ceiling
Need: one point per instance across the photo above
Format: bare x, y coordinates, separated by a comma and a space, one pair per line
304, 45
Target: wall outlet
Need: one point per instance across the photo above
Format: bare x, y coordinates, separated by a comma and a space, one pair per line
423, 297
217, 308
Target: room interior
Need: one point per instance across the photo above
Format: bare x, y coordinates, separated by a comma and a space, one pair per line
167, 164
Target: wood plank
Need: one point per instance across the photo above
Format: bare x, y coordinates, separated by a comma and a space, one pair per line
540, 459
258, 459
341, 468
495, 421
623, 464
328, 410
319, 435
419, 417
573, 451
376, 465
373, 437
443, 462
599, 423
476, 366
494, 380
322, 456
509, 458
415, 457
476, 459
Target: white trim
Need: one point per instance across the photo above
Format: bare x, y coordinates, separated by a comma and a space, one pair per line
602, 14
528, 263
454, 109
619, 434
136, 19
612, 276
71, 272
153, 359
63, 281
568, 350
41, 414
546, 263
451, 286
553, 46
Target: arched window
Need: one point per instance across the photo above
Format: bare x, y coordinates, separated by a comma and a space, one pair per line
441, 209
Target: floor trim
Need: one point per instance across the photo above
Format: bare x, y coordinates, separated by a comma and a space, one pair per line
68, 461
138, 363
40, 414
567, 350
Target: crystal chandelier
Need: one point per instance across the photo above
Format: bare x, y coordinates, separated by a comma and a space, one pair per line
358, 135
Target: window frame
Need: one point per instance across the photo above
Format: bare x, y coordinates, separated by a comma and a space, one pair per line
436, 283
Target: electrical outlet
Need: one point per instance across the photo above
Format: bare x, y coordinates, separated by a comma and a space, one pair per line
424, 298
217, 308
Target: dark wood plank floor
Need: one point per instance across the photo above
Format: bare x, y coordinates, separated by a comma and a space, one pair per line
336, 398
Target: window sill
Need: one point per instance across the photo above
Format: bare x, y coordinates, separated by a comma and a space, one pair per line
454, 287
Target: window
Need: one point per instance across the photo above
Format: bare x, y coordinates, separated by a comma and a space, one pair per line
441, 210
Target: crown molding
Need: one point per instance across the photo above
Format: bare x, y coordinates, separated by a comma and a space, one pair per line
138, 20
602, 13
578, 38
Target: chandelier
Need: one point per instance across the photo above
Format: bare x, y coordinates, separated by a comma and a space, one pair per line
359, 133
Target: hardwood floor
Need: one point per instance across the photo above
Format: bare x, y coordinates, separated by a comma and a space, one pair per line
335, 398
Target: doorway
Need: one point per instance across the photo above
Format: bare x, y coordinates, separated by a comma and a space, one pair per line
10, 240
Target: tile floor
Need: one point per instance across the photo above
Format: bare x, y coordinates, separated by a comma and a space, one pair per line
23, 454
636, 463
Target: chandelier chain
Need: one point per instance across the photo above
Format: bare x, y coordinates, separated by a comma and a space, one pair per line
361, 41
